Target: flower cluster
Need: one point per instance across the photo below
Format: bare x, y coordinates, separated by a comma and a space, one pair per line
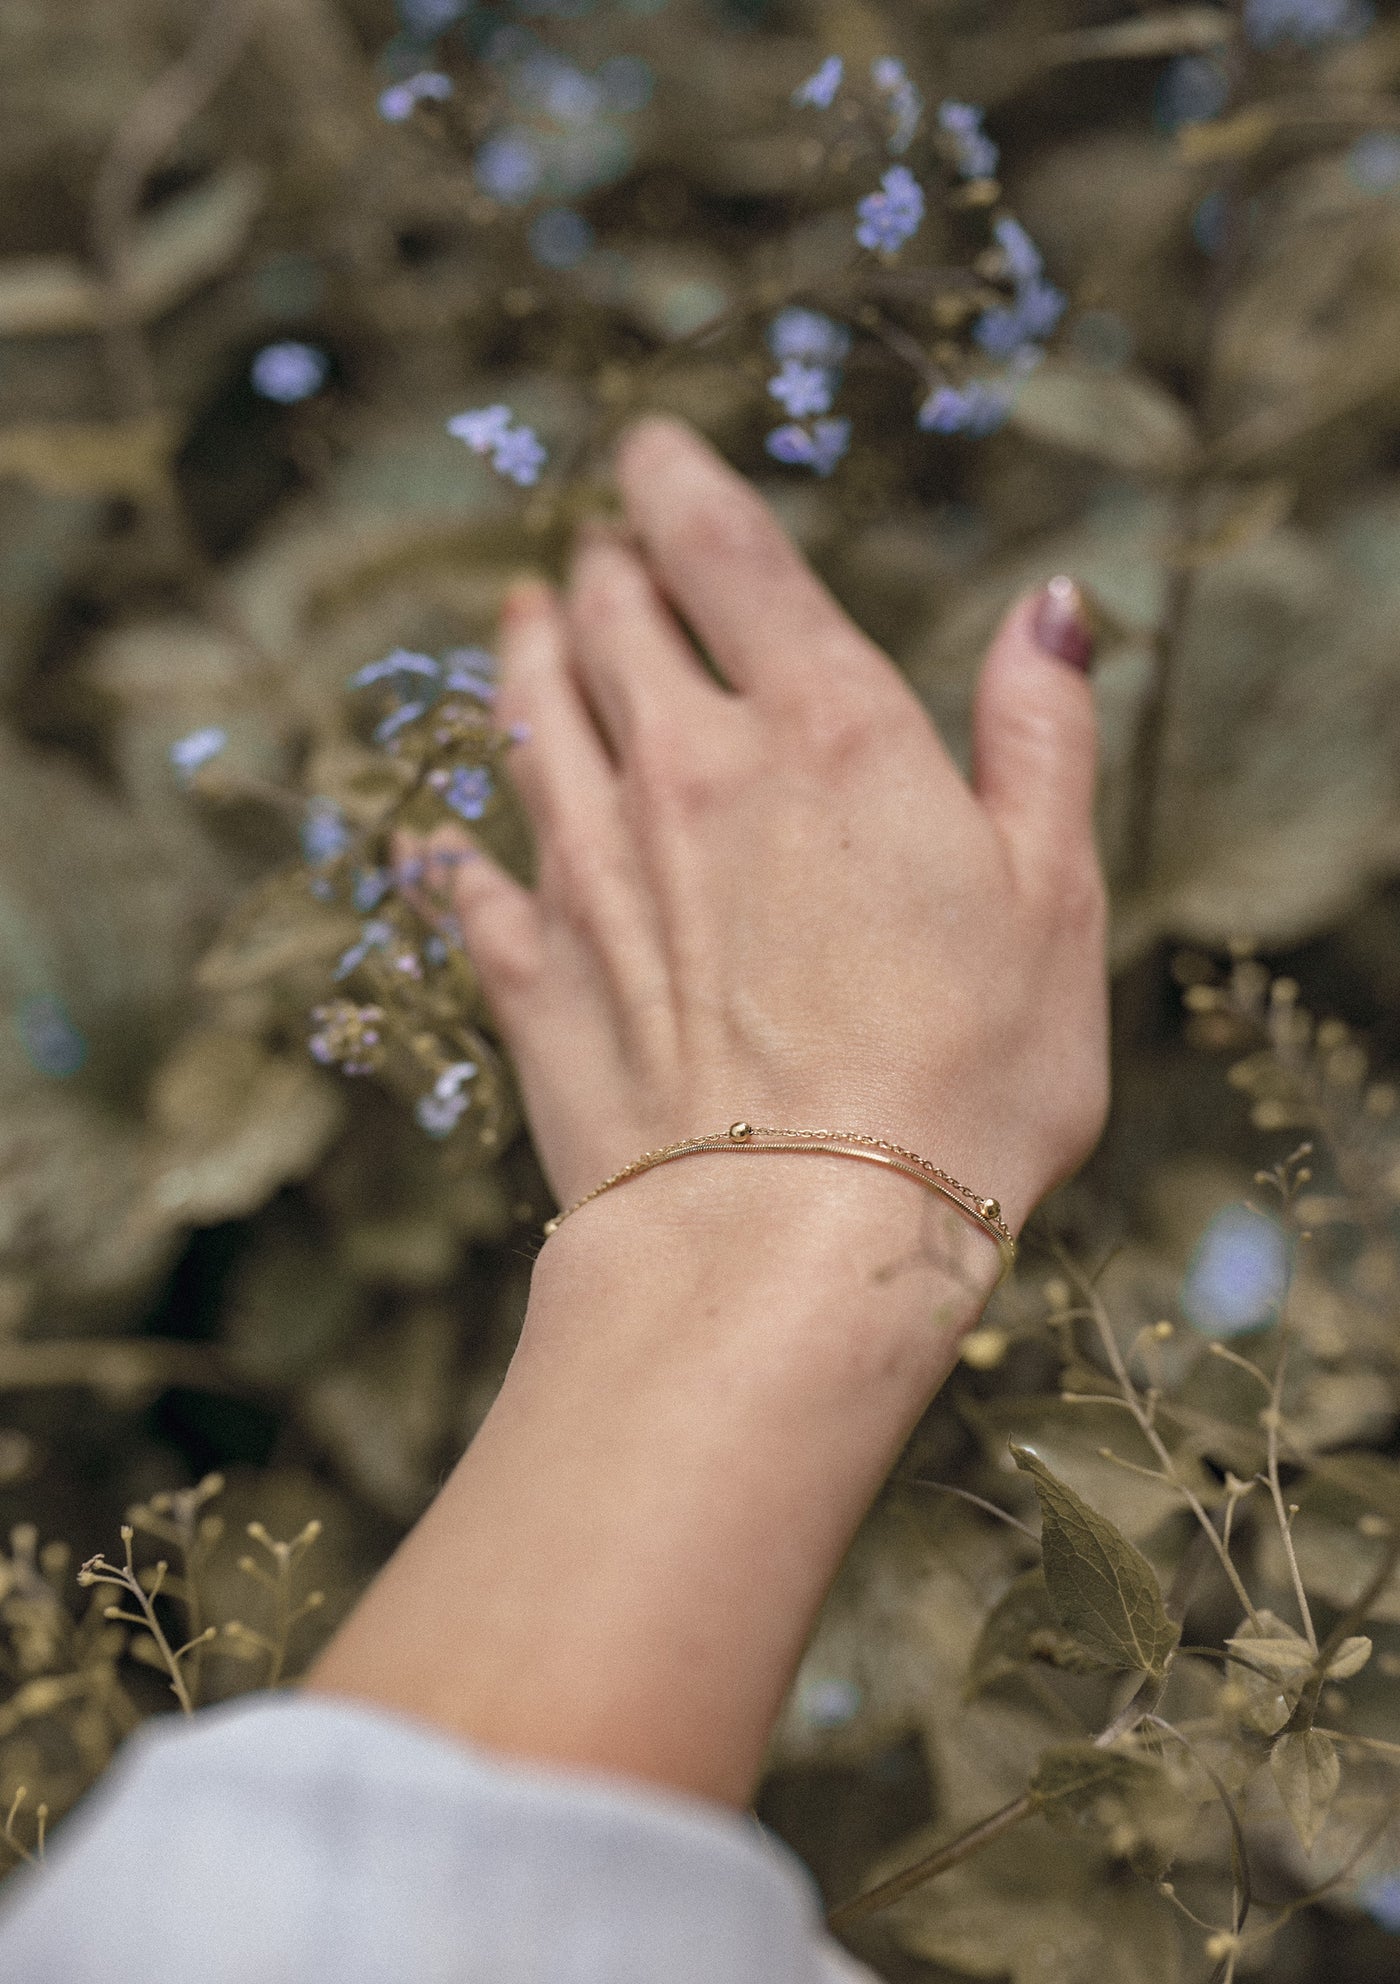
348, 1036
903, 101
441, 1112
398, 103
974, 154
887, 219
416, 681
516, 450
810, 349
976, 409
1015, 331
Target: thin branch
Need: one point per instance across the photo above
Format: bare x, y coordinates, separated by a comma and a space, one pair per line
966, 1495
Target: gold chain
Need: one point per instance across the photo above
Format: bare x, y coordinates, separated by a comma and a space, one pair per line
877, 1150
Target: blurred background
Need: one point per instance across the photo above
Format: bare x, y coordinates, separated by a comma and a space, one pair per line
254, 255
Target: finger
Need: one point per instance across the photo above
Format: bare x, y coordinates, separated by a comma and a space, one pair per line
459, 888
637, 666
720, 554
1035, 736
559, 766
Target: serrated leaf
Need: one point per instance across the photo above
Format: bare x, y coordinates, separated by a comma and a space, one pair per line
1103, 1590
1022, 1627
1307, 1771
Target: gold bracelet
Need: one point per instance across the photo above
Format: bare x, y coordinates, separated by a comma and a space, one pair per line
874, 1150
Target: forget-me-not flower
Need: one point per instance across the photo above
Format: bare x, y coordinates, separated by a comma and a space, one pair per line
808, 335
288, 371
802, 390
819, 91
515, 451
887, 219
977, 409
891, 78
398, 103
819, 447
188, 754
974, 154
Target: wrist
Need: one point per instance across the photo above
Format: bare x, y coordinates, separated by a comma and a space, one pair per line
764, 1238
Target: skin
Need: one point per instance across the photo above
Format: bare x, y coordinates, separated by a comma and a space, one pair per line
770, 896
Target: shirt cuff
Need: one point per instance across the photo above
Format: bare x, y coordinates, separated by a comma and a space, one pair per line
303, 1839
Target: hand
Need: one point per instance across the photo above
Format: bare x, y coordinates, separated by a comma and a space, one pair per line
778, 898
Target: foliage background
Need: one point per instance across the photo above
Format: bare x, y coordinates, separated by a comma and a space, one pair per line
217, 1256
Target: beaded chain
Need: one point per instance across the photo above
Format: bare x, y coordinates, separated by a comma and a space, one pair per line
875, 1150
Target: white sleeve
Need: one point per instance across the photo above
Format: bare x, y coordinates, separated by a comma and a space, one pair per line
299, 1839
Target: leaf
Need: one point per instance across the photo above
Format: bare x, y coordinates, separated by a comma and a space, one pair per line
1071, 1777
1122, 418
1351, 1656
1281, 1658
1022, 1627
1307, 1771
1103, 1589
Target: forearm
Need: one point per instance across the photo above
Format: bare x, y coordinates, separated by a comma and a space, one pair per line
719, 1364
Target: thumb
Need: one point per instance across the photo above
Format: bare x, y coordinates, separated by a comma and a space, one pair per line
1035, 735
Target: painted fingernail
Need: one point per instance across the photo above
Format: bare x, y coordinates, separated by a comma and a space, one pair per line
1061, 624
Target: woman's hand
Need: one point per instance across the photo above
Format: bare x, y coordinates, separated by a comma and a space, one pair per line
779, 899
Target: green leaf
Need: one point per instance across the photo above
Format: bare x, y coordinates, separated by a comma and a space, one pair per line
1022, 1627
1103, 1590
1307, 1771
1071, 1779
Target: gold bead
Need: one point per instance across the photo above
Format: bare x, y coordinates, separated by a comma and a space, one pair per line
741, 1132
549, 1226
989, 1208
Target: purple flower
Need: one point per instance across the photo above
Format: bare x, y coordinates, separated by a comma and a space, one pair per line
819, 91
397, 720
467, 789
289, 372
1305, 23
405, 669
516, 452
400, 100
1006, 331
888, 218
807, 334
325, 833
977, 409
802, 389
370, 888
520, 455
441, 1112
374, 936
1023, 259
974, 154
470, 672
892, 79
509, 167
188, 754
819, 448
482, 429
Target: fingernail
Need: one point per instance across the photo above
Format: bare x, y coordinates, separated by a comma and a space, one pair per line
1061, 624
